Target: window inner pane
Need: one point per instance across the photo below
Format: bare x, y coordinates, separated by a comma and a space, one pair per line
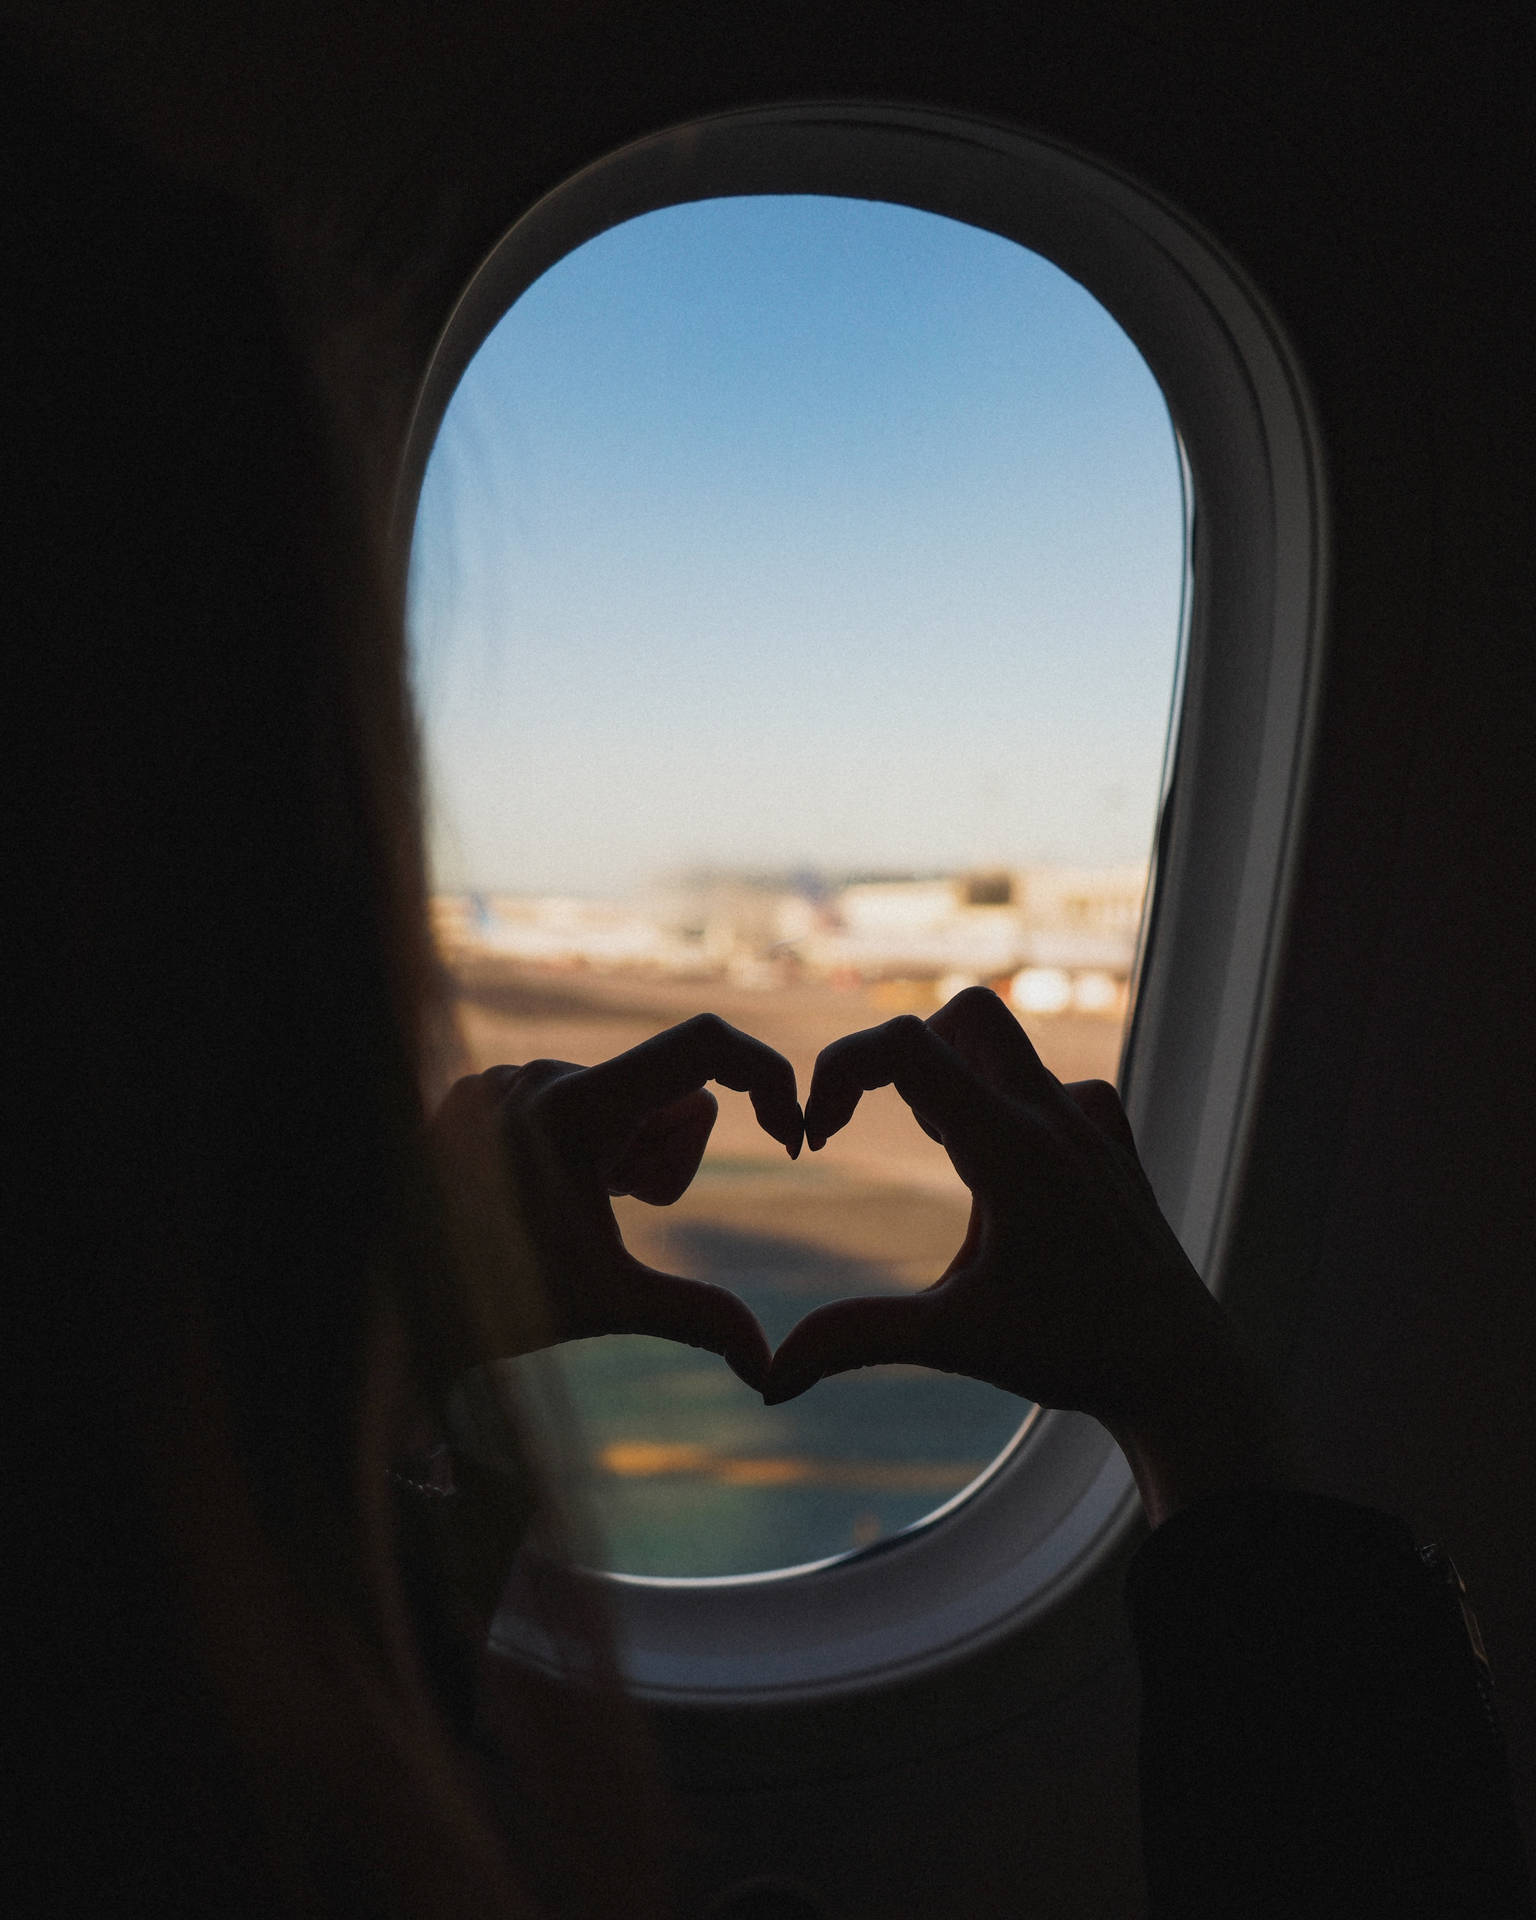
795, 605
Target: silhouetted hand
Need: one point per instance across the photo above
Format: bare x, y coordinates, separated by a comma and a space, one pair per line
638, 1124
1070, 1288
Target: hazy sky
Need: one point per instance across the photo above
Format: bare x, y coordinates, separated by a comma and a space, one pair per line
795, 531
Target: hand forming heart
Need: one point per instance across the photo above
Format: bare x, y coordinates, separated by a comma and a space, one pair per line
1068, 1286
638, 1124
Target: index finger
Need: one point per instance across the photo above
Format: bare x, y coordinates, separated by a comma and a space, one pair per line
941, 1089
620, 1092
979, 1026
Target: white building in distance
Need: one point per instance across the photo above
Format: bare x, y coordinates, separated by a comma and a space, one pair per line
1055, 938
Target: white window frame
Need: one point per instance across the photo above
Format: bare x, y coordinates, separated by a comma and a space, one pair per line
1015, 1583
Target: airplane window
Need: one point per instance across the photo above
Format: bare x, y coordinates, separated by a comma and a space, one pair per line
795, 603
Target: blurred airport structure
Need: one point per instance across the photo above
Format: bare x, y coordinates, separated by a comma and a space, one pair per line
1053, 939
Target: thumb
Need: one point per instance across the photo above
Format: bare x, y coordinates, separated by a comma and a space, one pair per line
869, 1332
1099, 1100
658, 1165
670, 1307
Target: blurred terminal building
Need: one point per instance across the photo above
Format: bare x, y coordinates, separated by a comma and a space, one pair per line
1054, 939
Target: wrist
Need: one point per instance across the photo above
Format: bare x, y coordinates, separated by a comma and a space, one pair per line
1218, 1427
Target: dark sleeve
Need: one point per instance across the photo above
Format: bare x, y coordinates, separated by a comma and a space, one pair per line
458, 1526
1317, 1737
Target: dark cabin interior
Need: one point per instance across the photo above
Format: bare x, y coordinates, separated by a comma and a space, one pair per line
1370, 170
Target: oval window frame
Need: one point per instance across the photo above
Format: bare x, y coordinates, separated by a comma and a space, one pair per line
1054, 1517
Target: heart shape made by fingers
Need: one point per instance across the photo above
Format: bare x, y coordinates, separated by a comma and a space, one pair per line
787, 1239
570, 1138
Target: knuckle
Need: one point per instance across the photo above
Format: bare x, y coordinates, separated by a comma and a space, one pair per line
831, 1054
1099, 1101
470, 1099
464, 1091
552, 1090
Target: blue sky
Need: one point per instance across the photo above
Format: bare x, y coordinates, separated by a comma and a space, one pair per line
795, 531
